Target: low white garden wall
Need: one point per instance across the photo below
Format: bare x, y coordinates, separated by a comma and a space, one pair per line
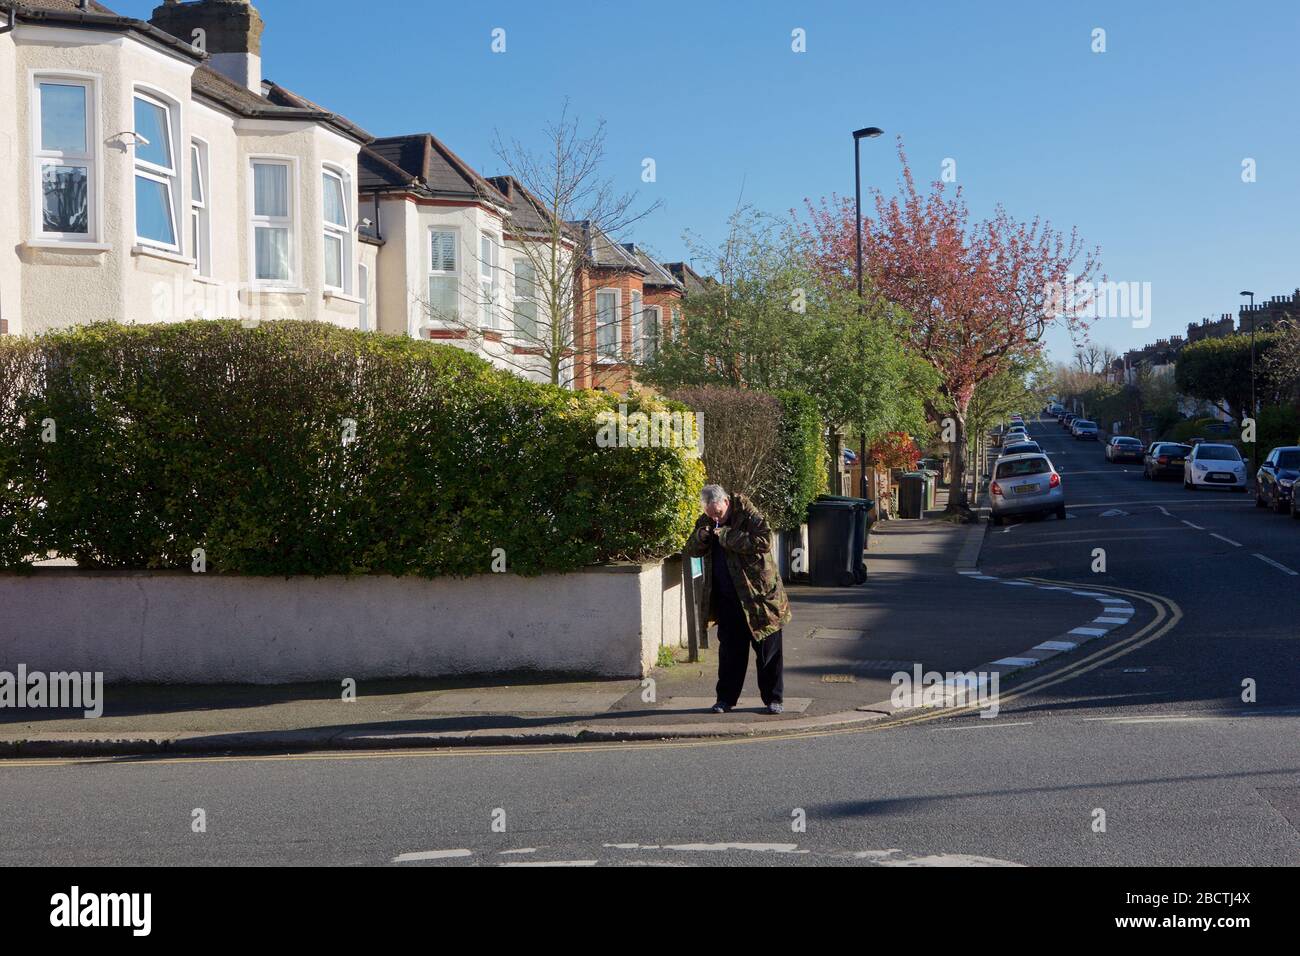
177, 627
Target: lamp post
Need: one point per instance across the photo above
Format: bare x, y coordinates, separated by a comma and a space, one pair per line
869, 132
1254, 409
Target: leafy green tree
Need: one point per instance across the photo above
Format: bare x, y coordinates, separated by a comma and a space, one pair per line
1218, 371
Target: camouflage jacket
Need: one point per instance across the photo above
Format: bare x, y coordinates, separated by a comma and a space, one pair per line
747, 545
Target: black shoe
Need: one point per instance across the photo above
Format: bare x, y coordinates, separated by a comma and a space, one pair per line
719, 708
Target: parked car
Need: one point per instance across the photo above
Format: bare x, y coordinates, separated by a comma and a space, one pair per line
1026, 484
1165, 459
1068, 420
1014, 434
1276, 478
1121, 448
1212, 465
1084, 430
1021, 448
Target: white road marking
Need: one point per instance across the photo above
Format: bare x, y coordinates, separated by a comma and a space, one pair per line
898, 858
1163, 511
1118, 609
431, 855
1110, 600
1235, 544
1089, 631
1017, 661
755, 847
1113, 720
1056, 646
526, 849
1281, 567
1110, 620
1190, 525
550, 863
982, 725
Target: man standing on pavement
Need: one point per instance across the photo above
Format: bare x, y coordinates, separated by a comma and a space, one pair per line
742, 593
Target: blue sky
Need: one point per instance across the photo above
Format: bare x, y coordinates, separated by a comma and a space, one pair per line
1140, 147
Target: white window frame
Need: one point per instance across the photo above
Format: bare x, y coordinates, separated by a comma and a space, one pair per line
517, 299
658, 311
168, 177
50, 157
602, 353
638, 310
275, 222
488, 281
201, 209
343, 233
453, 273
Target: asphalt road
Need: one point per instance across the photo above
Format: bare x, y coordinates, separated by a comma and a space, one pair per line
1147, 727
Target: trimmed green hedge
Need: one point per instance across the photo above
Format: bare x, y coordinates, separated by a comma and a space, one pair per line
302, 448
765, 445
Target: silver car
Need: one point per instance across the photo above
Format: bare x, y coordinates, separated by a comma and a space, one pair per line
1026, 484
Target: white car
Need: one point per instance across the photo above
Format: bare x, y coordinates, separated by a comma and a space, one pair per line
1214, 466
1016, 433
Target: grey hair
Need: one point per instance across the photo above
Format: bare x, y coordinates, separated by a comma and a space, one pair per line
712, 494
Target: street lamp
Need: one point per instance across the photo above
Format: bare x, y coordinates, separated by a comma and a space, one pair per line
1254, 409
870, 132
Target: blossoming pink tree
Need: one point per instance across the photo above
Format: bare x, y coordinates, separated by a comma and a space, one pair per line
979, 295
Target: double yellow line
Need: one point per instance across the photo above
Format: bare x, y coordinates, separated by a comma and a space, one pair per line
1167, 614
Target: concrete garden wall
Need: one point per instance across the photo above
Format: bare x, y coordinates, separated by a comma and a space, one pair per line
177, 627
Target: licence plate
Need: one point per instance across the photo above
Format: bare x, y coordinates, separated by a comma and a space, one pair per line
1220, 476
1027, 489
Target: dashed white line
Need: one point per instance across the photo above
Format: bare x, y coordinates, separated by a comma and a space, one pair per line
1281, 567
431, 855
1190, 525
1235, 544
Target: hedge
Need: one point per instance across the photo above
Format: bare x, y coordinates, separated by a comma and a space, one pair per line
765, 445
303, 448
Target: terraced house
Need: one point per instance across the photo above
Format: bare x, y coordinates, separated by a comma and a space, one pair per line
158, 181
162, 177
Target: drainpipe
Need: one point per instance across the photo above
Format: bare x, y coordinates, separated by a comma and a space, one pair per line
8, 27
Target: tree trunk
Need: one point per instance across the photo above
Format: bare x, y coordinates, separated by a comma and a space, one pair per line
958, 502
833, 479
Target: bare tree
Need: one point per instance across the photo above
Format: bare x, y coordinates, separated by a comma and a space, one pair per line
554, 203
1093, 358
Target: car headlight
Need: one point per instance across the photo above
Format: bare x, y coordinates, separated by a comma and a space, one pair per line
1198, 466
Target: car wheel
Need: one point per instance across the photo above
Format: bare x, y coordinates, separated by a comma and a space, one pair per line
1189, 484
1294, 513
1279, 506
1259, 500
1060, 513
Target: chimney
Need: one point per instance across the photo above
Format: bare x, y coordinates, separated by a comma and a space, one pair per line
229, 30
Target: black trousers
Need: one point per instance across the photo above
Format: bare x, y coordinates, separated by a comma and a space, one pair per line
734, 640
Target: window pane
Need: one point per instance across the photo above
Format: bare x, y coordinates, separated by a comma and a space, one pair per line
197, 185
443, 297
650, 333
526, 319
66, 202
63, 117
151, 123
153, 216
336, 210
270, 189
606, 327
525, 280
485, 256
272, 254
333, 261
444, 252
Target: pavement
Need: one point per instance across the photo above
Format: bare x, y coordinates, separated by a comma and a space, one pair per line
1171, 742
841, 651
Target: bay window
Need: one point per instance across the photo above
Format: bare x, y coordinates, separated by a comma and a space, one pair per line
649, 344
200, 223
272, 222
636, 324
155, 174
444, 276
338, 230
607, 323
487, 272
65, 133
525, 296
